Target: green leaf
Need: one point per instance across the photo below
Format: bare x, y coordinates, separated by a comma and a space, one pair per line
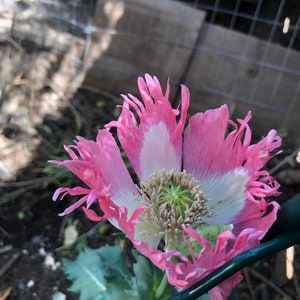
87, 276
149, 279
209, 232
101, 104
103, 274
119, 279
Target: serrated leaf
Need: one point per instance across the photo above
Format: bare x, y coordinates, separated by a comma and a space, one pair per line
114, 267
86, 274
103, 274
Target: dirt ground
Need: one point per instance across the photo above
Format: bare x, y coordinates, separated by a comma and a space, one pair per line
36, 120
31, 232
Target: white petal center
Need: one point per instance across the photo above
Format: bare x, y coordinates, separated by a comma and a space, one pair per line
226, 195
158, 152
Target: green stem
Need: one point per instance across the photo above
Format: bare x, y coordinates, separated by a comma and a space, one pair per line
161, 288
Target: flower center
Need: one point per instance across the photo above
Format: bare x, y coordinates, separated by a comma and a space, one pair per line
173, 199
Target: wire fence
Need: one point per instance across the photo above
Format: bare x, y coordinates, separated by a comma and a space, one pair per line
277, 22
255, 66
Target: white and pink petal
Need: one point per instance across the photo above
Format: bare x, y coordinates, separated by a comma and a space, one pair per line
149, 132
226, 195
100, 166
203, 149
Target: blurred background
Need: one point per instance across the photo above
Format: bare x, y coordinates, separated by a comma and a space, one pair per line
63, 65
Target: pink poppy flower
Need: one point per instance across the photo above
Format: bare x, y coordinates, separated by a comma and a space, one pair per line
201, 196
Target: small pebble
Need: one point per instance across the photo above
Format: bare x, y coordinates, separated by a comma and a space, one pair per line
36, 240
59, 296
30, 283
42, 252
50, 263
25, 252
22, 286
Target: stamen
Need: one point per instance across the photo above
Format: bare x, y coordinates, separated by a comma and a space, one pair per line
173, 198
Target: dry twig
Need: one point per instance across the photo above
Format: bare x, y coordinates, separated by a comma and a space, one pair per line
270, 284
249, 283
81, 237
6, 249
25, 186
289, 160
296, 284
9, 263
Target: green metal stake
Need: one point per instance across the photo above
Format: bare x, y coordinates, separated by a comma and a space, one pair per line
288, 228
288, 218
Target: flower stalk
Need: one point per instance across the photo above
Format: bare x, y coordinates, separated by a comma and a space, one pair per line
162, 287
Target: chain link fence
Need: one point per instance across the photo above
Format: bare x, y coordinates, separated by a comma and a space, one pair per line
244, 53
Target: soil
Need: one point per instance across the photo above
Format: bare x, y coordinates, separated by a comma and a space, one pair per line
31, 232
34, 126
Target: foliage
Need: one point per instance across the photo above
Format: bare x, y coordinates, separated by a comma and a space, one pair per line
103, 274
